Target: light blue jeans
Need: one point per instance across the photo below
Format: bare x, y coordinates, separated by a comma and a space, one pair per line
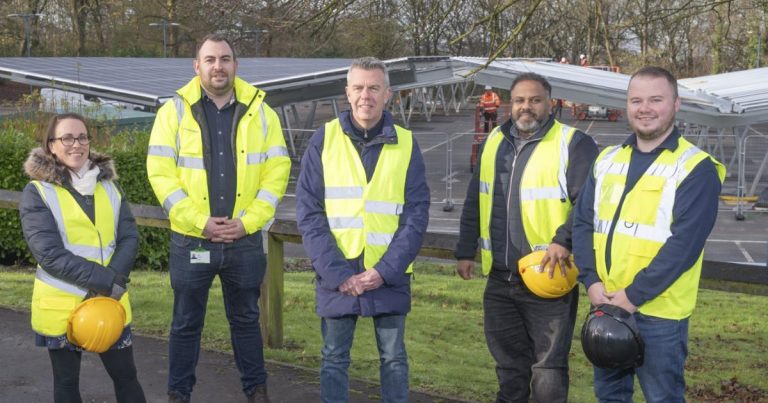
338, 334
661, 375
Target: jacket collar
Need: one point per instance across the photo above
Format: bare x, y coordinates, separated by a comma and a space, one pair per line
44, 167
245, 93
388, 133
670, 143
510, 130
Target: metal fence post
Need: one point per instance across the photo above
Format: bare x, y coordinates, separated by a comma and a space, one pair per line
448, 175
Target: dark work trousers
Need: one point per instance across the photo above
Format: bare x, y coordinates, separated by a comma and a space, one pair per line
118, 363
529, 337
490, 120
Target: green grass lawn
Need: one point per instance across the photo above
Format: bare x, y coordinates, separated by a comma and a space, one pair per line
447, 352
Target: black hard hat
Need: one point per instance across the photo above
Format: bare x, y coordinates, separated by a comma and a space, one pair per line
610, 338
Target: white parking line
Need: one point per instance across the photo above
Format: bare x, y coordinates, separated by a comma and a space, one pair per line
731, 240
744, 252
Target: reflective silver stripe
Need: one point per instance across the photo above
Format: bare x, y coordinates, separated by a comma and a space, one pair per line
179, 104
255, 158
345, 222
539, 247
172, 199
240, 213
343, 192
85, 251
602, 226
381, 207
540, 194
682, 172
162, 151
268, 197
277, 151
52, 200
378, 239
268, 224
564, 157
485, 244
263, 121
191, 162
485, 187
659, 234
114, 200
54, 282
602, 167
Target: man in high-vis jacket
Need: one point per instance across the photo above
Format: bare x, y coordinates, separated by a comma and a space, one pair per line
520, 200
639, 231
218, 164
489, 102
362, 206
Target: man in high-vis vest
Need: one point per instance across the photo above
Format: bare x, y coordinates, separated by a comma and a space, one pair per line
362, 206
218, 164
519, 201
489, 102
639, 231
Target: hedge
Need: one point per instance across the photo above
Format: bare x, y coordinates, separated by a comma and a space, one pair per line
129, 150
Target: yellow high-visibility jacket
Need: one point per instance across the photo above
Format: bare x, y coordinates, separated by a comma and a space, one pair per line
362, 215
644, 222
544, 203
177, 167
54, 299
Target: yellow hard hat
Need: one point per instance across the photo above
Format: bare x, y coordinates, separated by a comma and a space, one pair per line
536, 277
96, 324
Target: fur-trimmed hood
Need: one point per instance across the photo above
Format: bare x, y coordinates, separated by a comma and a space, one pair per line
45, 167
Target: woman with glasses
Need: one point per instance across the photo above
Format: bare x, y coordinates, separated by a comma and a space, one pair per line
80, 230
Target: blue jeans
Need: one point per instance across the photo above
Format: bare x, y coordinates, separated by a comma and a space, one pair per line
337, 341
241, 266
529, 338
661, 375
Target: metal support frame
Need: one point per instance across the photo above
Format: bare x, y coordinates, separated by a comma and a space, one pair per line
289, 129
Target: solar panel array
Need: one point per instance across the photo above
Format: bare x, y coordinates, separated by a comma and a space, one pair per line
156, 77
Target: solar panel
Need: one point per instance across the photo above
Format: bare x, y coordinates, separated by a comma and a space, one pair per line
148, 78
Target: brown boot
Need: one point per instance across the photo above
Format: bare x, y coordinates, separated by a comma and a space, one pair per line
259, 394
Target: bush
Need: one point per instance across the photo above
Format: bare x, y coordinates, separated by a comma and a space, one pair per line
129, 150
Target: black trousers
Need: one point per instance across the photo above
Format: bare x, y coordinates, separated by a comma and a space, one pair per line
490, 120
529, 337
118, 363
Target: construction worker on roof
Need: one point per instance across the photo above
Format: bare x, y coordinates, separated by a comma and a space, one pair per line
490, 102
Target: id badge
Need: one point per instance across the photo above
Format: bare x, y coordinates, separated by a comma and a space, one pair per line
199, 256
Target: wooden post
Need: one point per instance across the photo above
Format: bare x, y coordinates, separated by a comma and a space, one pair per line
271, 301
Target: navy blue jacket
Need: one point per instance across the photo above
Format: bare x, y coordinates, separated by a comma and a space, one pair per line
508, 240
693, 217
331, 268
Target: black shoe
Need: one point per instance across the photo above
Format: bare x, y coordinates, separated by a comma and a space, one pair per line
174, 397
259, 394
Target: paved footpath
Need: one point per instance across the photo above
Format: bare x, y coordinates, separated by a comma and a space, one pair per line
25, 373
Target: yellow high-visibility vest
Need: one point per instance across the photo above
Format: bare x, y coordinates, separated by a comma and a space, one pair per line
54, 299
177, 172
644, 222
544, 203
364, 216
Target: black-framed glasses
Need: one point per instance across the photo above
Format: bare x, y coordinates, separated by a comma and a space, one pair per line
68, 141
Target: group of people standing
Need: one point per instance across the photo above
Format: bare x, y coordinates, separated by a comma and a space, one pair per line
218, 164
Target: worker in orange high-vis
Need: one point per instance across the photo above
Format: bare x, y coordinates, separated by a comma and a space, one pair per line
490, 102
